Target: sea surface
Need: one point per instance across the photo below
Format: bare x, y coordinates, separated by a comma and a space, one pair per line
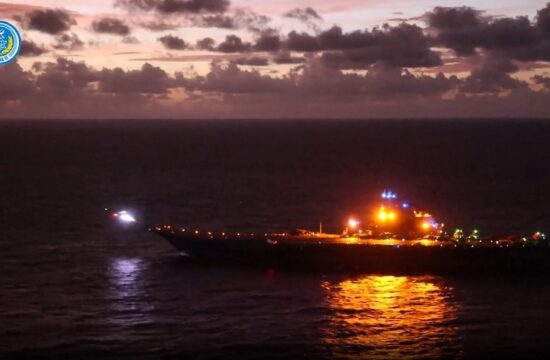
73, 284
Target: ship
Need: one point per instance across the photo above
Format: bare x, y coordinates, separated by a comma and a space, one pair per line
395, 238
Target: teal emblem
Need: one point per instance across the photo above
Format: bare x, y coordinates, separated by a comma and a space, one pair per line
10, 42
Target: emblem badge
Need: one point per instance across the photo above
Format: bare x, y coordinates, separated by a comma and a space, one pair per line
10, 42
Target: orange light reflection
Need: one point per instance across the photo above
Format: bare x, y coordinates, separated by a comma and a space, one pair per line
391, 317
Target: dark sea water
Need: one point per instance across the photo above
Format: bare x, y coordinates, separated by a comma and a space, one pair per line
74, 285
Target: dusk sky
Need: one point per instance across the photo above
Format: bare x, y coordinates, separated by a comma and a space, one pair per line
271, 59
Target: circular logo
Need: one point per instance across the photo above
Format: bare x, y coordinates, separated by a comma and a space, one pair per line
10, 42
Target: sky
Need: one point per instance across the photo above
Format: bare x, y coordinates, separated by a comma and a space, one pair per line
338, 59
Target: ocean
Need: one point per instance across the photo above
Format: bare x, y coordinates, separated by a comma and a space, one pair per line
73, 284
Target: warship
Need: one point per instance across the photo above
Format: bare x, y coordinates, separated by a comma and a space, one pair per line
395, 237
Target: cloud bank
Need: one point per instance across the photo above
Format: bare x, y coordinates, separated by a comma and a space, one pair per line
450, 61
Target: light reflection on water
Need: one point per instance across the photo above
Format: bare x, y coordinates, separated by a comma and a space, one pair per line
127, 296
391, 317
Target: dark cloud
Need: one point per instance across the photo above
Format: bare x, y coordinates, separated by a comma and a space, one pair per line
215, 21
397, 19
389, 82
67, 88
400, 46
233, 44
302, 42
303, 14
455, 18
246, 19
335, 39
381, 82
253, 61
68, 42
73, 89
111, 26
66, 77
307, 16
206, 44
268, 41
238, 19
493, 77
457, 28
512, 32
63, 80
159, 25
194, 6
465, 29
30, 48
232, 80
542, 80
148, 80
78, 73
173, 42
16, 84
543, 19
406, 19
386, 37
51, 21
404, 45
175, 6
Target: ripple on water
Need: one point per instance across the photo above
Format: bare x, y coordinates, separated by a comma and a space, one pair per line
391, 316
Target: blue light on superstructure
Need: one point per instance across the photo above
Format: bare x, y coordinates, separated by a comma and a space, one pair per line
389, 195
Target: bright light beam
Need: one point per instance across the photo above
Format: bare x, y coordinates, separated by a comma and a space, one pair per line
125, 216
352, 223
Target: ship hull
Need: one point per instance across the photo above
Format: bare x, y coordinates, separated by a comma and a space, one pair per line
319, 255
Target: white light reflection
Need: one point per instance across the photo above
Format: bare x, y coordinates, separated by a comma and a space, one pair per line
127, 292
126, 271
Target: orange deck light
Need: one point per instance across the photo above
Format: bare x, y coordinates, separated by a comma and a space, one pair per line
384, 215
